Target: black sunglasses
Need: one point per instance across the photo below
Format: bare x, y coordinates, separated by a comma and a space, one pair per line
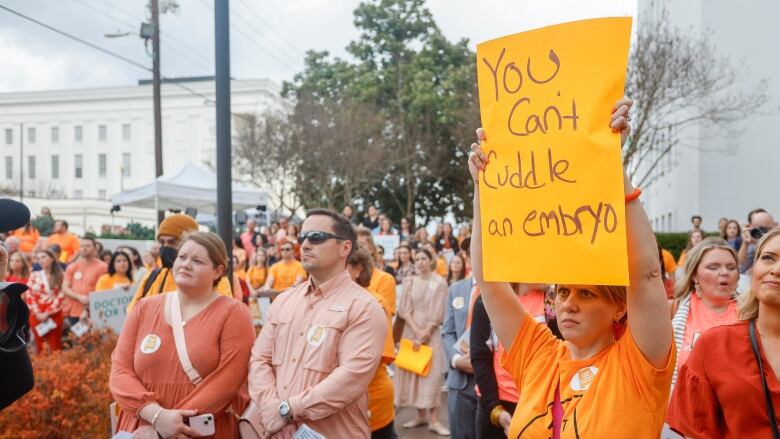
318, 237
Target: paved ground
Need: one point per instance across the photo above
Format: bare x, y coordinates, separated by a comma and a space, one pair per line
406, 414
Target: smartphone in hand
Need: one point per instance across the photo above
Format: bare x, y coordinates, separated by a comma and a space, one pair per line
203, 424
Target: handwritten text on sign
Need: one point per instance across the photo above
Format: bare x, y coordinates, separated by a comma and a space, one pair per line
552, 195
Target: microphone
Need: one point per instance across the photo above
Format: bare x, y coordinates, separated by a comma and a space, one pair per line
13, 215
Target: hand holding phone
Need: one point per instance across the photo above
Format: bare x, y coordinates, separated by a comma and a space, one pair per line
203, 424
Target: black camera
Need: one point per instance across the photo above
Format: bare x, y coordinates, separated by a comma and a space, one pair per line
757, 232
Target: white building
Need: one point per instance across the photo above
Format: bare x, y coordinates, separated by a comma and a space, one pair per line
81, 146
698, 179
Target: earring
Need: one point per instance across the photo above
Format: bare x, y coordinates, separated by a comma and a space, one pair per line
697, 288
618, 329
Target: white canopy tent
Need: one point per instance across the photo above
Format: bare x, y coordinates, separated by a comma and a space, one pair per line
188, 187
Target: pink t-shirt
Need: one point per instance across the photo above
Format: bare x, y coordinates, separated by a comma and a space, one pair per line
533, 303
700, 319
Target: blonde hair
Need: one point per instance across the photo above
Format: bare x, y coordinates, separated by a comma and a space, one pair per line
747, 302
685, 285
26, 270
214, 247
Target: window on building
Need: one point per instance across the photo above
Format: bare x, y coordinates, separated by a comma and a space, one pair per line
31, 167
102, 194
125, 164
79, 165
9, 136
31, 135
55, 167
102, 133
9, 168
78, 194
102, 165
55, 135
78, 133
126, 133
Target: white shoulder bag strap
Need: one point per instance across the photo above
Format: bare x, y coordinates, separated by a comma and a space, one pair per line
178, 336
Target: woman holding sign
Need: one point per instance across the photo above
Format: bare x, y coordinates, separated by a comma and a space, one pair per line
598, 381
422, 307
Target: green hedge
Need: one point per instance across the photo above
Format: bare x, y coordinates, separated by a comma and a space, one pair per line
677, 241
674, 242
134, 231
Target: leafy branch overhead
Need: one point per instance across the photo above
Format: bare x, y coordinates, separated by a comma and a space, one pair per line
679, 82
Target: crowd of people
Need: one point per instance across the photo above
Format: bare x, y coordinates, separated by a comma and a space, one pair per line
687, 346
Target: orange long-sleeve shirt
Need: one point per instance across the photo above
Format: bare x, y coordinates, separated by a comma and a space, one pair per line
145, 367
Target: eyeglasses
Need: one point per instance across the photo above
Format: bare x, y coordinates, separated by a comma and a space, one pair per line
318, 237
286, 249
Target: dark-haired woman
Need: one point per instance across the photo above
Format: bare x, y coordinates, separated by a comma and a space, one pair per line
120, 273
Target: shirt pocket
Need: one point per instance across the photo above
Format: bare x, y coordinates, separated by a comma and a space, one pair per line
281, 340
323, 340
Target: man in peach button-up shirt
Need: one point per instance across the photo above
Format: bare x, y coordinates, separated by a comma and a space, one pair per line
314, 360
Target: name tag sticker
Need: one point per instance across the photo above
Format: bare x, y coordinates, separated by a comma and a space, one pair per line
150, 344
316, 335
338, 308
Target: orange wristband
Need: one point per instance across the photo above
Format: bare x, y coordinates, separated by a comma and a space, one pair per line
633, 195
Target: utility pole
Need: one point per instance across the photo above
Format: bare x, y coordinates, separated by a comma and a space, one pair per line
158, 157
224, 189
21, 162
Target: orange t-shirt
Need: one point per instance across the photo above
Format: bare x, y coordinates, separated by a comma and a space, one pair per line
380, 390
669, 263
616, 393
285, 274
27, 240
68, 242
82, 276
681, 261
383, 283
441, 267
256, 276
110, 281
700, 319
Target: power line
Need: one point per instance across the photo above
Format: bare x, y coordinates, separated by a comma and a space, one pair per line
249, 38
107, 52
252, 27
199, 63
269, 26
77, 39
169, 38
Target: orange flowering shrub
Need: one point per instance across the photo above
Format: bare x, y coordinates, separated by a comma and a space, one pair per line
70, 398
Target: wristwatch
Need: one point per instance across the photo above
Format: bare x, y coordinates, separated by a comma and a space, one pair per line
285, 412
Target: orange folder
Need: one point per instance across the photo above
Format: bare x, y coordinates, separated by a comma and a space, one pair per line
416, 362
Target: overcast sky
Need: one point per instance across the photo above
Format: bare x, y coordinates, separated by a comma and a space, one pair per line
268, 37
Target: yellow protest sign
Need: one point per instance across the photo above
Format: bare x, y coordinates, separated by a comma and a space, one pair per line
552, 201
